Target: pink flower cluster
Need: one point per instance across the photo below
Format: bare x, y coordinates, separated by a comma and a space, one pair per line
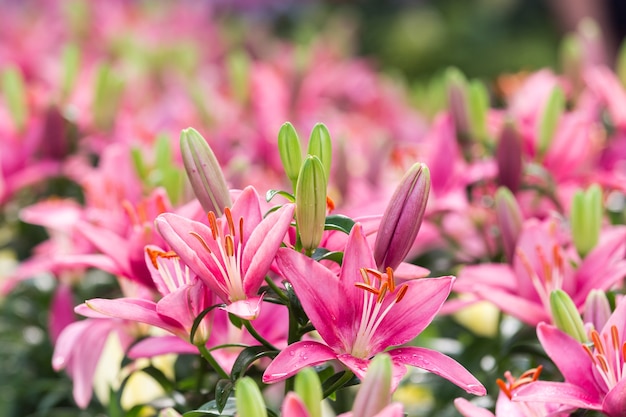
524, 202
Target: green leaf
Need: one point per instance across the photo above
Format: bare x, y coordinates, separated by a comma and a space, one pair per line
273, 193
235, 320
159, 377
211, 409
14, 92
324, 254
247, 357
339, 222
223, 389
196, 322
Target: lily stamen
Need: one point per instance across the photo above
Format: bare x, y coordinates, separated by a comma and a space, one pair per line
610, 365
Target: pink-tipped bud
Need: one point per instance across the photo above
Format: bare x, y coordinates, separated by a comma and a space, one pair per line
509, 158
597, 309
510, 220
403, 218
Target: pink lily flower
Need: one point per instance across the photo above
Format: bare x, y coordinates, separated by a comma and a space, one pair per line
595, 373
234, 253
505, 407
543, 263
184, 298
361, 313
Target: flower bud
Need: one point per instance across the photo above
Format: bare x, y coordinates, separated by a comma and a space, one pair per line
586, 219
238, 63
248, 398
204, 172
321, 146
107, 96
375, 391
457, 102
571, 61
402, 218
309, 388
509, 157
311, 202
290, 151
510, 220
71, 65
549, 120
478, 106
14, 93
597, 309
565, 315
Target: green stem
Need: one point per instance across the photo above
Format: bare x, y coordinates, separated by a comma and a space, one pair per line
347, 376
276, 289
257, 336
211, 360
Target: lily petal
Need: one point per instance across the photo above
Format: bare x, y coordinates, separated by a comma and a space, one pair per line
614, 404
248, 309
571, 359
561, 392
439, 364
293, 406
467, 409
161, 345
527, 311
295, 357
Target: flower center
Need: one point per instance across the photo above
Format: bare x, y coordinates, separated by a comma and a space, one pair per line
229, 253
608, 356
173, 273
378, 288
511, 384
551, 273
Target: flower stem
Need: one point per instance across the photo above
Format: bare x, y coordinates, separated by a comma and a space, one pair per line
347, 376
280, 293
257, 336
211, 360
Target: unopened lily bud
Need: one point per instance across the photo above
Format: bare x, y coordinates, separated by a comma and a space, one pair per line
14, 94
571, 60
106, 99
311, 202
290, 151
204, 172
550, 120
238, 63
597, 309
457, 102
71, 66
375, 391
586, 218
402, 218
509, 157
621, 63
309, 388
320, 145
510, 220
248, 398
477, 106
565, 315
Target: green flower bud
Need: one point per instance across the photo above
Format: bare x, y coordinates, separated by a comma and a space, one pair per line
510, 220
565, 315
478, 105
457, 102
14, 93
375, 392
204, 172
238, 63
309, 388
290, 151
550, 120
107, 96
586, 219
320, 145
311, 202
248, 398
71, 66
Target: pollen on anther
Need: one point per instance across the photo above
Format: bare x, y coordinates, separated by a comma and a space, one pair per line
401, 293
213, 224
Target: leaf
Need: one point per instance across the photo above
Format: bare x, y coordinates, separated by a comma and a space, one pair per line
210, 409
339, 222
223, 389
321, 254
196, 322
159, 377
273, 193
247, 357
235, 320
